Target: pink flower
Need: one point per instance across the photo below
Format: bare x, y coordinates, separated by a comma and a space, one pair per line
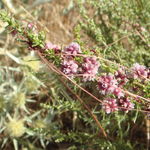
110, 105
31, 26
142, 29
139, 71
121, 76
69, 67
72, 49
118, 92
126, 103
90, 68
107, 84
56, 48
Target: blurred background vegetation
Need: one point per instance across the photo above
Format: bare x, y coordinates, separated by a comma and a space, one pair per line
37, 109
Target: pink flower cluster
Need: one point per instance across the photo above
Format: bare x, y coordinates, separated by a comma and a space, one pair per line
118, 92
126, 104
111, 105
69, 67
109, 85
72, 49
56, 48
90, 68
139, 71
121, 77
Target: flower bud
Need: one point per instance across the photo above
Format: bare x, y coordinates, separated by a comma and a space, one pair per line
19, 100
15, 128
110, 105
